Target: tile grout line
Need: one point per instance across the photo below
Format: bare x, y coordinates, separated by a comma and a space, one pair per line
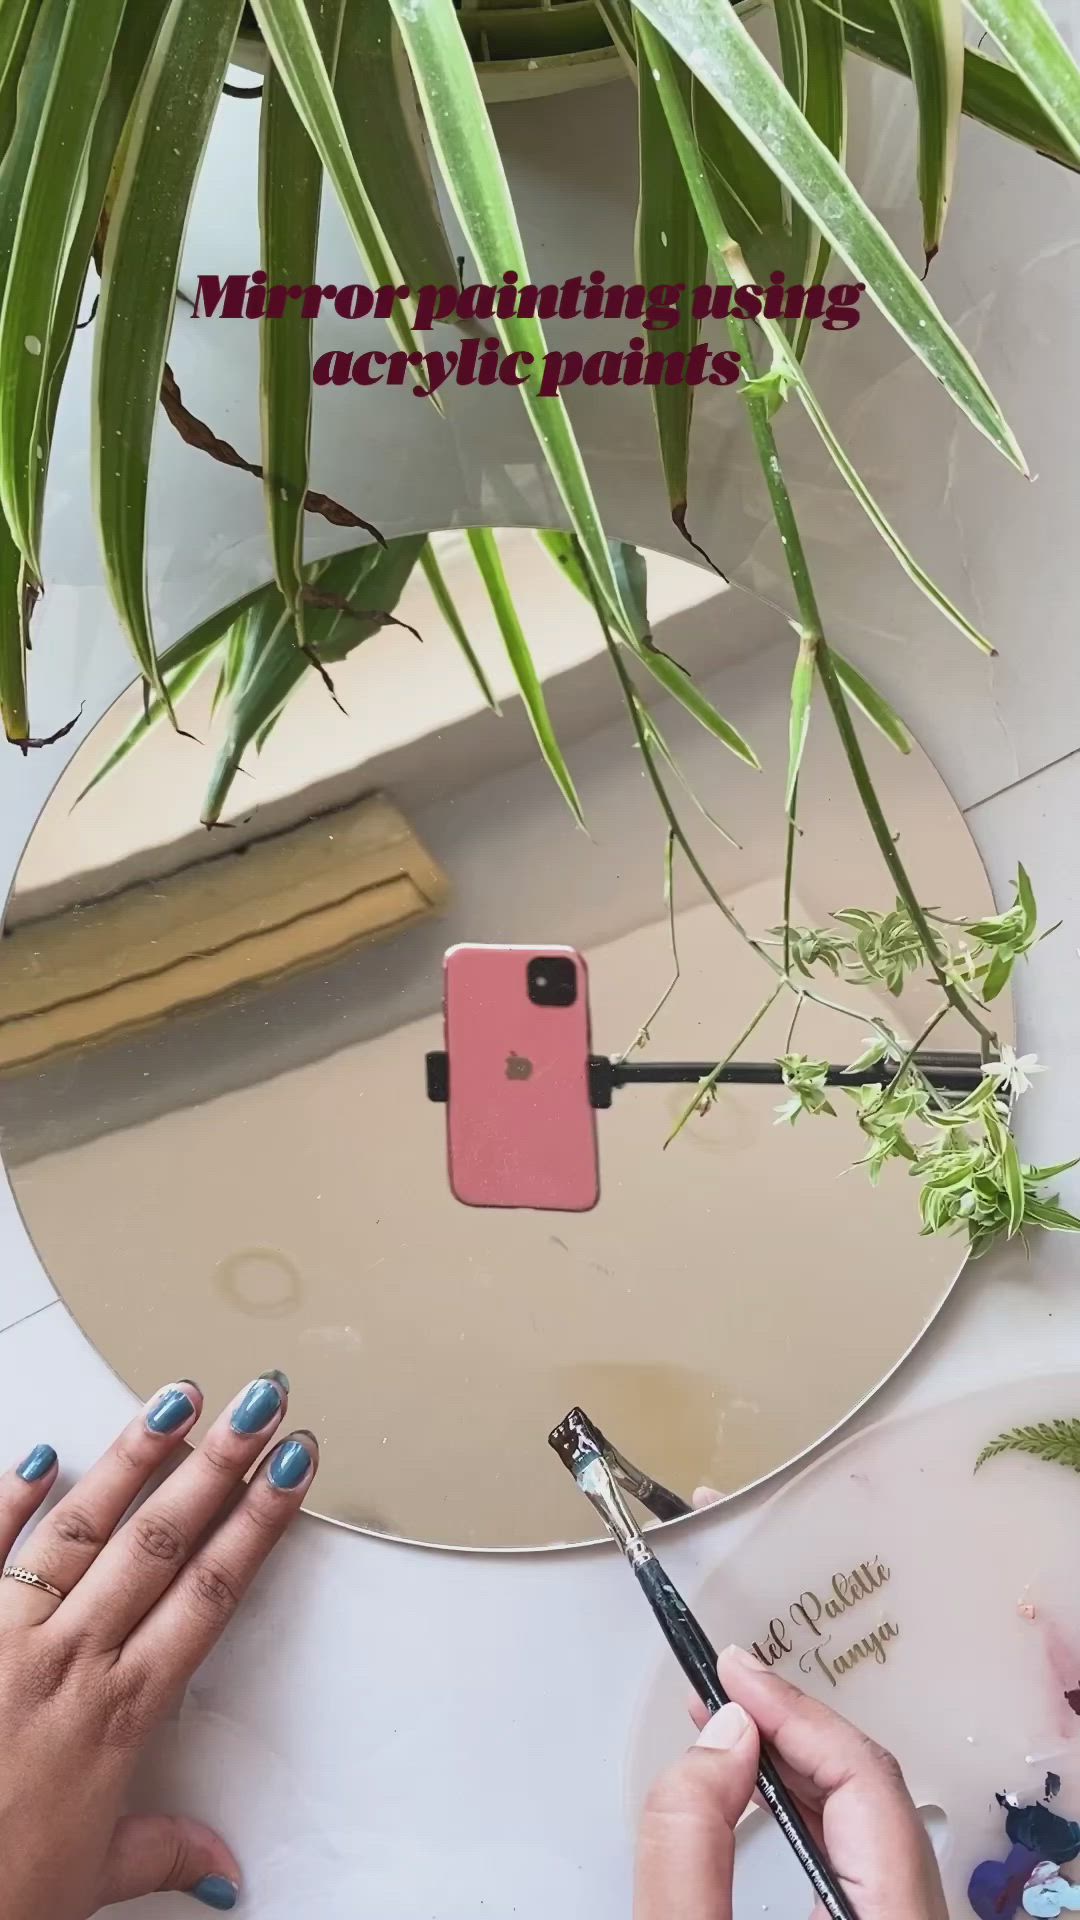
32, 1315
1012, 785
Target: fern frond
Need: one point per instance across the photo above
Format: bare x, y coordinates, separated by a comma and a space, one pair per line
1055, 1440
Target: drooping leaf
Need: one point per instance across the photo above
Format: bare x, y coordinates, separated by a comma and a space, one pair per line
628, 566
181, 665
825, 109
802, 694
138, 31
631, 570
1033, 46
370, 580
165, 144
379, 110
13, 709
670, 252
933, 33
294, 50
486, 553
17, 22
1025, 899
464, 144
728, 262
444, 600
676, 681
45, 41
50, 198
744, 186
654, 739
290, 192
178, 681
1014, 1182
992, 93
871, 702
716, 44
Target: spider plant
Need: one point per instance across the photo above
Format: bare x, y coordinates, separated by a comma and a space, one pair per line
105, 110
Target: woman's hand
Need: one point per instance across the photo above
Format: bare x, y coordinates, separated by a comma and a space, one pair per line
851, 1793
84, 1678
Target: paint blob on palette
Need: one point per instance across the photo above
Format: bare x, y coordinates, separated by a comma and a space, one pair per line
938, 1609
1029, 1878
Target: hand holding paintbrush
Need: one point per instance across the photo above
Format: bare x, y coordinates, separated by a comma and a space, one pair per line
839, 1802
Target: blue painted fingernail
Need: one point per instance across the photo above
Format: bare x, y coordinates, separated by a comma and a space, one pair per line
216, 1892
290, 1465
264, 1398
37, 1464
169, 1411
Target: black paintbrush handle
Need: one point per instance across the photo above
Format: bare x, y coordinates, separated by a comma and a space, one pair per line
697, 1658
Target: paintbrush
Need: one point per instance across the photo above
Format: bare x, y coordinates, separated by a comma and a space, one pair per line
580, 1447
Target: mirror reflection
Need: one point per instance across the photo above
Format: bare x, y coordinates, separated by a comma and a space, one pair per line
217, 1047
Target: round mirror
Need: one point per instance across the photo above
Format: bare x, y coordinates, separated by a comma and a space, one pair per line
214, 1099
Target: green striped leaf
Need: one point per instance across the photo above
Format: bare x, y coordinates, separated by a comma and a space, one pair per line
871, 702
294, 49
790, 16
825, 108
50, 199
670, 252
676, 681
715, 44
1031, 43
627, 565
486, 554
12, 640
181, 664
1014, 1182
630, 570
802, 695
381, 115
933, 33
43, 47
163, 150
444, 600
17, 22
992, 93
138, 31
290, 192
465, 147
371, 580
729, 265
745, 189
178, 680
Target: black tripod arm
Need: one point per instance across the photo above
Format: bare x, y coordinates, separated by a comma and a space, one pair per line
951, 1072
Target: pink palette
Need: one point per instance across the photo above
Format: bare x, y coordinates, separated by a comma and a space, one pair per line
938, 1608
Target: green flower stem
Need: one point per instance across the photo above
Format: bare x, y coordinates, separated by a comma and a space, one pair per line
705, 1086
909, 1056
661, 792
812, 637
789, 872
872, 806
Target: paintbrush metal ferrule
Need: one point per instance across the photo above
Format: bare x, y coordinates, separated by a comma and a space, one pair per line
580, 1447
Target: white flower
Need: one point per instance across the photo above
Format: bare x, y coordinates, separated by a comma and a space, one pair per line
1014, 1070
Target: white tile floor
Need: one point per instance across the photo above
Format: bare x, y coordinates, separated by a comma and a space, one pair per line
394, 1733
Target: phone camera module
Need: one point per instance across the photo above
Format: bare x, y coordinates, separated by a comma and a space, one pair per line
552, 980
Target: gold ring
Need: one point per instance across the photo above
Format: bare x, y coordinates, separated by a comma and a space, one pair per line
32, 1580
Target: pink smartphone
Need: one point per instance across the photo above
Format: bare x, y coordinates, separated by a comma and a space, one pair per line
521, 1131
